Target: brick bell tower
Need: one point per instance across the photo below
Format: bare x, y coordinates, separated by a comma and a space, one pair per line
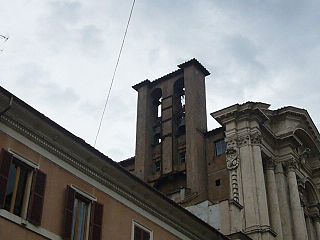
171, 122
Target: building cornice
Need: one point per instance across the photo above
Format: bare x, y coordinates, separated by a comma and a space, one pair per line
246, 110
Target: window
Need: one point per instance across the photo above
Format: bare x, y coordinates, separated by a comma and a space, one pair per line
157, 166
22, 187
156, 115
83, 216
156, 135
140, 232
220, 147
179, 106
80, 219
218, 182
182, 157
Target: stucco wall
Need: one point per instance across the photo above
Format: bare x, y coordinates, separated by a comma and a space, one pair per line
117, 218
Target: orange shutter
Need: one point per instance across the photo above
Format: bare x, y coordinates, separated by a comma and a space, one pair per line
37, 197
96, 221
5, 162
69, 212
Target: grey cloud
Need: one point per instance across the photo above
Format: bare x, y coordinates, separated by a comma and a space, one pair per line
68, 24
65, 11
260, 51
34, 79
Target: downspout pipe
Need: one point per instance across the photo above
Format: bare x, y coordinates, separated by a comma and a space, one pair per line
8, 107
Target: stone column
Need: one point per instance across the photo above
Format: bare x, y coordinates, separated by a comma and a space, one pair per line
283, 201
260, 181
299, 225
273, 201
310, 229
250, 202
317, 226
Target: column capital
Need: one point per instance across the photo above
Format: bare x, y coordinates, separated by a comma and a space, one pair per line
278, 167
243, 140
231, 142
256, 138
270, 164
291, 164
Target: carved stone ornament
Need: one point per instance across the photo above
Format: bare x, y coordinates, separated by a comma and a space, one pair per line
305, 155
235, 186
291, 164
243, 140
231, 142
232, 158
256, 138
302, 199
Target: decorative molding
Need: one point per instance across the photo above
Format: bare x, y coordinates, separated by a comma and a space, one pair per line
232, 159
305, 155
256, 138
253, 138
231, 142
302, 198
243, 140
235, 186
235, 203
291, 164
259, 229
302, 182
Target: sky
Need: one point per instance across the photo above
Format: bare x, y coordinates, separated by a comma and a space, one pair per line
61, 54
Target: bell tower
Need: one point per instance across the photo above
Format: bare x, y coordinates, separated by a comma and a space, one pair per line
171, 122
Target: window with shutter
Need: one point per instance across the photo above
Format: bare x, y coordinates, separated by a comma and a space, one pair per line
140, 232
22, 187
37, 197
83, 216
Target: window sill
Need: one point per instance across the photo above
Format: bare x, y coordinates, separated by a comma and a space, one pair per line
24, 223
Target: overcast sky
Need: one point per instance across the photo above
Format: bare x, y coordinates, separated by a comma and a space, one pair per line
61, 54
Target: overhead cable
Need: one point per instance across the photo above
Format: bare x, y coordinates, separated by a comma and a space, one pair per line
114, 73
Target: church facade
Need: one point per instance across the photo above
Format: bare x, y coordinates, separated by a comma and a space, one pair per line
255, 177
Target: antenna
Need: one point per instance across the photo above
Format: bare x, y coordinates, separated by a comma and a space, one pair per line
5, 38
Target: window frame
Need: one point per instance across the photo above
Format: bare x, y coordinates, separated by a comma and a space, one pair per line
32, 189
76, 194
24, 160
224, 147
182, 160
135, 223
88, 202
157, 166
28, 185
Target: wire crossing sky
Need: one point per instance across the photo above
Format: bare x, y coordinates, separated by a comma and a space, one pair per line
114, 72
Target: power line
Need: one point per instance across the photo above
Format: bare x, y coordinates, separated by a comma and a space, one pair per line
114, 72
